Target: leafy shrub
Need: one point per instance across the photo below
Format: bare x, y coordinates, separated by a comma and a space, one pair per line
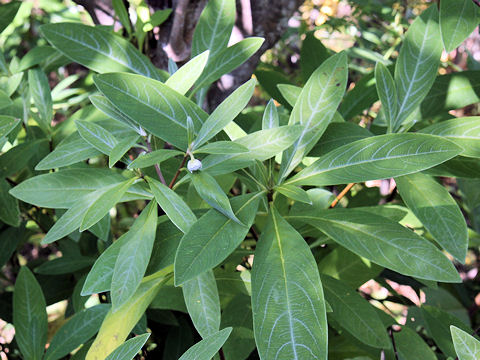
160, 209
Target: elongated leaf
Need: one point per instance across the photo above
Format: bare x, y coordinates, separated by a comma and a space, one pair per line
225, 112
7, 124
437, 210
9, 210
270, 118
222, 147
105, 106
71, 150
4, 100
18, 157
105, 201
117, 325
291, 93
262, 145
458, 18
410, 346
152, 158
203, 303
315, 108
159, 109
387, 93
184, 78
122, 13
417, 63
119, 150
63, 189
214, 27
208, 347
129, 348
64, 265
384, 242
42, 98
8, 11
100, 138
463, 131
312, 54
176, 209
294, 192
377, 157
209, 190
466, 346
98, 49
213, 237
29, 315
133, 257
228, 59
288, 307
355, 314
81, 327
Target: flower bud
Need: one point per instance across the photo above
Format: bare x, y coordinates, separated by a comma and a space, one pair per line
194, 165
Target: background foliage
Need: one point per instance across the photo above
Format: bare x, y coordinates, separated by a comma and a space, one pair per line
319, 201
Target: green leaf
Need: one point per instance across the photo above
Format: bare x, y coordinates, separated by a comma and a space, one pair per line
8, 12
437, 325
184, 78
355, 314
291, 93
312, 54
159, 109
17, 157
42, 98
64, 265
117, 325
384, 242
81, 327
106, 200
121, 148
410, 346
458, 18
133, 257
9, 211
433, 205
100, 138
203, 303
417, 63
294, 192
213, 237
152, 158
7, 124
270, 118
122, 13
315, 109
208, 347
466, 346
362, 96
228, 59
70, 151
209, 190
98, 49
222, 147
63, 189
29, 315
176, 209
225, 112
4, 100
129, 349
262, 145
288, 307
387, 93
377, 157
214, 27
105, 106
465, 132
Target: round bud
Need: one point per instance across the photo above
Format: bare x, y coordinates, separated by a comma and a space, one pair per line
194, 165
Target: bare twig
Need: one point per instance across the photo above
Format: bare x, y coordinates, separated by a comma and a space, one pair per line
178, 172
341, 195
157, 168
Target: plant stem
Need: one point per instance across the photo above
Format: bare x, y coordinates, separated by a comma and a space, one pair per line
341, 195
222, 355
393, 343
178, 171
157, 168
